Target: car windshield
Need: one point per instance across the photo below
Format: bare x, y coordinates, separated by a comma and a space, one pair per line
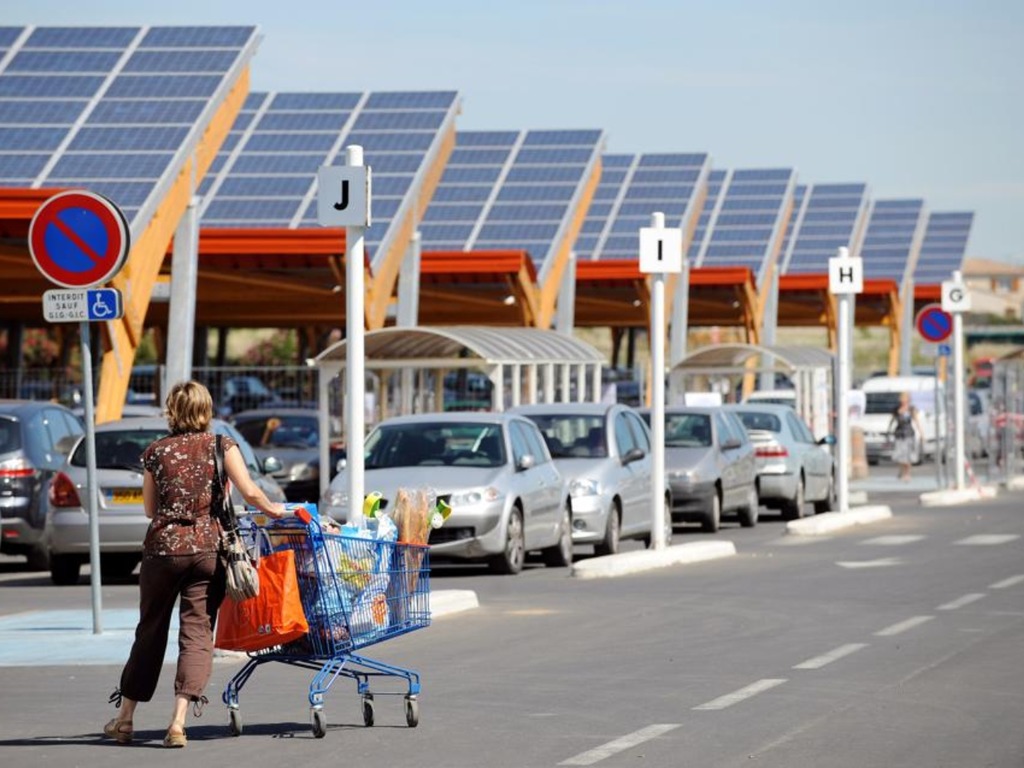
882, 402
768, 422
466, 444
687, 430
573, 436
120, 449
279, 431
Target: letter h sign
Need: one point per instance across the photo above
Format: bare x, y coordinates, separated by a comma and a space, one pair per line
845, 275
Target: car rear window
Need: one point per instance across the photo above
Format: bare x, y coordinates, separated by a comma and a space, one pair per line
119, 450
768, 422
10, 435
279, 431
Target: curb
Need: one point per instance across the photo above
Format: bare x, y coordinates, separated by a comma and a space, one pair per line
1015, 483
445, 602
834, 521
948, 498
857, 498
648, 559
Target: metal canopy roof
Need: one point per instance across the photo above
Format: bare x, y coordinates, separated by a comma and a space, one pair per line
733, 358
493, 346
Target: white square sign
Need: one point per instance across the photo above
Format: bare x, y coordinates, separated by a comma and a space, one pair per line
343, 196
661, 249
845, 275
955, 297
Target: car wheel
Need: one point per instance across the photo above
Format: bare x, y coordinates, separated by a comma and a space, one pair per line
38, 559
713, 521
669, 528
825, 505
749, 513
612, 528
793, 509
64, 569
511, 560
560, 555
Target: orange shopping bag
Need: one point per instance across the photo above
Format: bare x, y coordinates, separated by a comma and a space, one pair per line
273, 617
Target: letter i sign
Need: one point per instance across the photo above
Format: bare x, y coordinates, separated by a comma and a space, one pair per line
845, 275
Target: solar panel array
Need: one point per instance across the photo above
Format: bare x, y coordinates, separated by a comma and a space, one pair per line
748, 219
107, 108
265, 172
799, 198
514, 190
944, 247
631, 188
826, 217
893, 238
703, 232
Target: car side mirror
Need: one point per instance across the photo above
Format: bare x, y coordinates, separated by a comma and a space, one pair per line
827, 440
731, 444
525, 462
633, 454
272, 464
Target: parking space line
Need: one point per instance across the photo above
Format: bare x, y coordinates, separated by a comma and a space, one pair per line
960, 602
827, 658
1010, 582
903, 626
988, 539
621, 744
742, 694
893, 541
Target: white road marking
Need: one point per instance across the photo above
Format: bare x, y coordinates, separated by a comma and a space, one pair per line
743, 693
893, 541
883, 562
620, 745
903, 626
988, 539
827, 658
1010, 582
960, 602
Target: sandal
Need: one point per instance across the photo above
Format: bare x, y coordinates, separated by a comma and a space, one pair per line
175, 738
120, 731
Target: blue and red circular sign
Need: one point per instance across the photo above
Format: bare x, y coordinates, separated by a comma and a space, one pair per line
79, 239
934, 324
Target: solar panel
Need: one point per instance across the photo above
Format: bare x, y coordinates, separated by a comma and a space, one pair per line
825, 218
702, 232
109, 108
514, 190
893, 238
732, 239
632, 188
267, 169
944, 247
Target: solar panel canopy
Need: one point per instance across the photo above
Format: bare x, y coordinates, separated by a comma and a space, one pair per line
944, 247
825, 218
632, 187
893, 238
511, 190
110, 109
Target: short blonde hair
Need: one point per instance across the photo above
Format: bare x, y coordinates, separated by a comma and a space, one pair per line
189, 407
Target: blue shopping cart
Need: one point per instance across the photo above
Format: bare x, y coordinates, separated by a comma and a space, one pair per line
356, 590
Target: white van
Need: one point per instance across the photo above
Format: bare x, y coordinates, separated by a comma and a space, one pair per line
882, 397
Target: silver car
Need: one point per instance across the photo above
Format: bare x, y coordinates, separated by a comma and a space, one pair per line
792, 467
122, 519
604, 453
709, 462
507, 496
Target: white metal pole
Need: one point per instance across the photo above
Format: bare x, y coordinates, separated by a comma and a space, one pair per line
658, 400
843, 363
91, 487
958, 390
354, 354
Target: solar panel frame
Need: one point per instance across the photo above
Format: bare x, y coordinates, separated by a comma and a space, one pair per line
944, 246
832, 215
892, 239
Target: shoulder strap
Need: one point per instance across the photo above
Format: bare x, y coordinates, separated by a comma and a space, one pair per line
220, 506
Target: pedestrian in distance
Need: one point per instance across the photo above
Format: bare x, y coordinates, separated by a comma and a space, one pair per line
905, 428
180, 561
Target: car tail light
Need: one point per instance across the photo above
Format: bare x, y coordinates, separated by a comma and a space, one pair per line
63, 492
771, 452
15, 468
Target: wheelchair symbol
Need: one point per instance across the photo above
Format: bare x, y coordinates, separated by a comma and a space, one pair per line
100, 308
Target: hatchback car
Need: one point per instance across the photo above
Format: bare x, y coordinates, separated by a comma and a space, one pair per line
709, 463
507, 496
122, 519
604, 453
792, 467
292, 436
35, 438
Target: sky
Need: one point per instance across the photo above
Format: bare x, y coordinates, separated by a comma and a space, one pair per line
918, 98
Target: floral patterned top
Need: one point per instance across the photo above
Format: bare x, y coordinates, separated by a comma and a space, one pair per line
182, 467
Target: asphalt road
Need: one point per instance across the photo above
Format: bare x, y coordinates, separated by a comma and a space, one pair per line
899, 643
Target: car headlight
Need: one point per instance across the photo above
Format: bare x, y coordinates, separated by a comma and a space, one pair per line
308, 471
583, 487
475, 496
335, 498
683, 475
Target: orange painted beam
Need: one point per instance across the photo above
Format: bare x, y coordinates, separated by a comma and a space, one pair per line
437, 263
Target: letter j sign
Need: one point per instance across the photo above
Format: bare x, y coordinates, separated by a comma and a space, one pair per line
343, 196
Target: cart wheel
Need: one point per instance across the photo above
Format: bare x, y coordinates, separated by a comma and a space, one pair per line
235, 721
412, 711
319, 722
368, 710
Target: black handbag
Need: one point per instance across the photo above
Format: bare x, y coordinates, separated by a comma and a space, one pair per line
243, 581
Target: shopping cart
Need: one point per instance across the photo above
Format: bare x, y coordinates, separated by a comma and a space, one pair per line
355, 592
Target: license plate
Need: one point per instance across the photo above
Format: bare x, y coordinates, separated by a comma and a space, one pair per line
125, 496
